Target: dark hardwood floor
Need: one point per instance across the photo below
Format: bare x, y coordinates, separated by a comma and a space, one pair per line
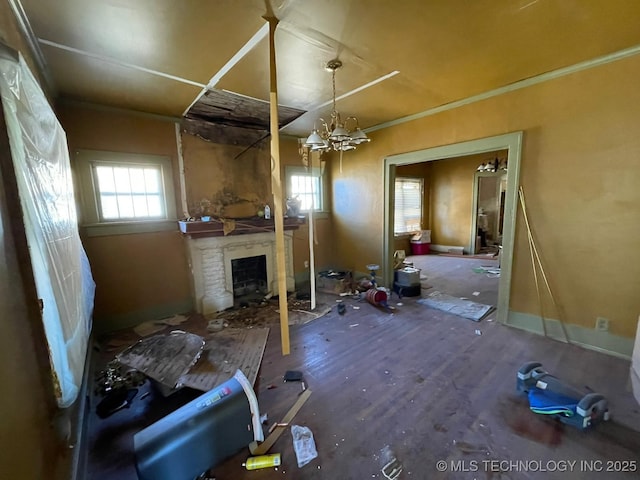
422, 384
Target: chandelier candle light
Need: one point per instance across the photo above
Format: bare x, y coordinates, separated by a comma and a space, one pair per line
336, 135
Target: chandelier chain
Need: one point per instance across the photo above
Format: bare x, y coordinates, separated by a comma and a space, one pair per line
333, 76
335, 135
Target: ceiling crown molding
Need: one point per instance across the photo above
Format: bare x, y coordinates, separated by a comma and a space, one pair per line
32, 41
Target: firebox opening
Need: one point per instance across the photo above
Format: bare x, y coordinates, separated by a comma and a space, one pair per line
249, 277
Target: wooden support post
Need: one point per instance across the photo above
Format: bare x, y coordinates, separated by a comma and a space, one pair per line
276, 186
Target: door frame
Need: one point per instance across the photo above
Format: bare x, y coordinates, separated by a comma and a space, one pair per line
512, 143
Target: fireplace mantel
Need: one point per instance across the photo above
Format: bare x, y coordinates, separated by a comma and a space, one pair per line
215, 227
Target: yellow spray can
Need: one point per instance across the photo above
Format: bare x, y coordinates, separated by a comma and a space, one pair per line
262, 461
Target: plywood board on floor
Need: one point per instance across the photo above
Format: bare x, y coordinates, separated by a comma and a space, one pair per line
225, 352
164, 358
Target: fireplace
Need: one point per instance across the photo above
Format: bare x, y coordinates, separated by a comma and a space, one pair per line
212, 262
249, 275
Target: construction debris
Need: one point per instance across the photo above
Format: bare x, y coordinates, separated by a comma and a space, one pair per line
490, 271
264, 447
265, 312
115, 376
154, 326
334, 282
116, 384
148, 328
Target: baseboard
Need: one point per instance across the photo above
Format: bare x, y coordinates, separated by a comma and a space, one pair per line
591, 339
111, 323
301, 278
445, 248
80, 456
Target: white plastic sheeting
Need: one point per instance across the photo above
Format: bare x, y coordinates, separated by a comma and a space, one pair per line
60, 266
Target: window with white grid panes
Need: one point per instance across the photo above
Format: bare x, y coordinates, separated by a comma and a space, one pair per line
125, 192
129, 192
307, 186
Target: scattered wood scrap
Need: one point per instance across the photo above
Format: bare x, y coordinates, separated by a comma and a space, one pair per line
264, 447
267, 312
154, 326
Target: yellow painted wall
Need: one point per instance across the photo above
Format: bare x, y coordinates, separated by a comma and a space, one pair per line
29, 449
138, 276
324, 249
358, 206
581, 173
452, 200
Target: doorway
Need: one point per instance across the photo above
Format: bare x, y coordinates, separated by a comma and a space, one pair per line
489, 196
512, 144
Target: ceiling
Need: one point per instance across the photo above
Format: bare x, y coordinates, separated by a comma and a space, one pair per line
158, 56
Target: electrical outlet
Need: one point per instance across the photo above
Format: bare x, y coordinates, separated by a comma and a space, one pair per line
602, 324
306, 264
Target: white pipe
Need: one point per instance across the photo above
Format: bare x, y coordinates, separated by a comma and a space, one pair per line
312, 267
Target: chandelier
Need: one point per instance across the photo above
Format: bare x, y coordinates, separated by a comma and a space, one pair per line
493, 166
335, 135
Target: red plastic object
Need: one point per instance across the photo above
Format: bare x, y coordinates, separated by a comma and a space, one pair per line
376, 297
419, 248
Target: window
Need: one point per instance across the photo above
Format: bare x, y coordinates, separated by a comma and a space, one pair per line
308, 186
408, 205
129, 192
125, 193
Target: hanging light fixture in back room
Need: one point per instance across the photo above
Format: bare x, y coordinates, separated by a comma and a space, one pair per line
336, 135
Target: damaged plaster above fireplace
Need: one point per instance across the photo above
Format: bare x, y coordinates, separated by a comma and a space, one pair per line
210, 261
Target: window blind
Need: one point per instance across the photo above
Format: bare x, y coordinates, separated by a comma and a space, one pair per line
408, 205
